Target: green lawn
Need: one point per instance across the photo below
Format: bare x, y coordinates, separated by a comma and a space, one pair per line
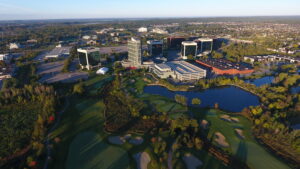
256, 156
89, 151
81, 116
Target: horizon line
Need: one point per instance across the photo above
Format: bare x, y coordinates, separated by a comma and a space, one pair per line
141, 18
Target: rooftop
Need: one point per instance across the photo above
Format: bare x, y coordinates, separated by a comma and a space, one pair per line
226, 64
59, 51
187, 43
184, 67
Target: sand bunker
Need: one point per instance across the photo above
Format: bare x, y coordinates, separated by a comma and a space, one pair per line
127, 136
234, 119
221, 140
240, 133
226, 118
191, 161
204, 124
229, 119
136, 140
142, 160
116, 140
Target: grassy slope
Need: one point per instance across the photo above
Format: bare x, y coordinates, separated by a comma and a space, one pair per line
82, 115
256, 156
88, 150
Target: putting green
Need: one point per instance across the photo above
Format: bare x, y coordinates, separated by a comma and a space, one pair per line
89, 151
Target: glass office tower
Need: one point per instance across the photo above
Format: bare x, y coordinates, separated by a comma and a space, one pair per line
89, 58
155, 48
135, 52
205, 45
188, 48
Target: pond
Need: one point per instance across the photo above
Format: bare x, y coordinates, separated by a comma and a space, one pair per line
296, 90
261, 81
229, 98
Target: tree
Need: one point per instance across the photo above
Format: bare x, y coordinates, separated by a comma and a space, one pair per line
196, 101
79, 88
181, 99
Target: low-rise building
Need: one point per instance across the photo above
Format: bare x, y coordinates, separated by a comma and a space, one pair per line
86, 37
14, 46
58, 52
179, 70
226, 67
271, 58
5, 57
159, 31
142, 29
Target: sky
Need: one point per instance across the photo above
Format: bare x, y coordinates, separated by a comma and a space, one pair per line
68, 9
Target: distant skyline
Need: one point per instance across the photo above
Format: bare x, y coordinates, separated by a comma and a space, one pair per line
75, 9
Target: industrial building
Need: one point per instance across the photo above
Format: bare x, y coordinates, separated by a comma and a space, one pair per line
155, 47
179, 70
223, 67
204, 45
90, 58
188, 48
135, 52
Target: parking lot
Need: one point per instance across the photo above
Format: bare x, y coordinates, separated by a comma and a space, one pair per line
51, 73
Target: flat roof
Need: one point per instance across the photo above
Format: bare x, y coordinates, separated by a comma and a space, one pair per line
226, 64
204, 39
59, 51
184, 67
88, 49
163, 66
189, 43
155, 42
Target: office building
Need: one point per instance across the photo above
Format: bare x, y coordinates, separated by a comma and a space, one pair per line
135, 52
179, 70
174, 42
155, 47
90, 58
188, 48
204, 45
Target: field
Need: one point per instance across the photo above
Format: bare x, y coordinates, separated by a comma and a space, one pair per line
83, 143
88, 150
249, 150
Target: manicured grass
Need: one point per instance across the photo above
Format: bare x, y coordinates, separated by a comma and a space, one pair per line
163, 104
209, 162
97, 82
81, 116
256, 156
88, 151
